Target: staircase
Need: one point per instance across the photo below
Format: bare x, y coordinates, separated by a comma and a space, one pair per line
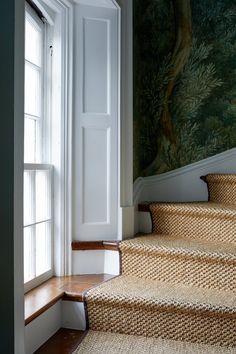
179, 282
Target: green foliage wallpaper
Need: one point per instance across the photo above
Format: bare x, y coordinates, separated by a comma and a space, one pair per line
184, 82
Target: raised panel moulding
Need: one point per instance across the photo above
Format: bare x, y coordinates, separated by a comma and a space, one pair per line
96, 176
98, 3
96, 63
183, 183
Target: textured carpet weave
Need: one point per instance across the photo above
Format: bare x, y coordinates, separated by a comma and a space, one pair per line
203, 221
221, 188
175, 260
109, 343
154, 309
178, 284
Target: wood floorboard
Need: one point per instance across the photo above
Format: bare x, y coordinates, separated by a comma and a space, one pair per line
64, 341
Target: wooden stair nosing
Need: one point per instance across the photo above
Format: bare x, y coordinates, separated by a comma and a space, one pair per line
95, 245
61, 292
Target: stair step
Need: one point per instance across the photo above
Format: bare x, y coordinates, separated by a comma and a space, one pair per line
178, 260
150, 308
113, 343
221, 188
202, 220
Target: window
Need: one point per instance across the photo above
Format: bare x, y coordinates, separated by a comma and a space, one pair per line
38, 222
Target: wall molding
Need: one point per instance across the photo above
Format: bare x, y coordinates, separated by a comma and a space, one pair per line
219, 163
126, 110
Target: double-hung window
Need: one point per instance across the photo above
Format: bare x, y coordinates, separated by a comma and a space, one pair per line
38, 172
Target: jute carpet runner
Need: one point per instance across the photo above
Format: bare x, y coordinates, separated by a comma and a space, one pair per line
177, 284
113, 343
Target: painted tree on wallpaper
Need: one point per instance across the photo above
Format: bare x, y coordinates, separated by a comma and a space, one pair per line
184, 82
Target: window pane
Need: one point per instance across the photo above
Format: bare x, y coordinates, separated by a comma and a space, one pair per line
43, 247
43, 196
29, 254
32, 90
33, 42
30, 141
29, 212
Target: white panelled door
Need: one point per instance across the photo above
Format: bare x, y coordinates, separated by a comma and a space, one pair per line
96, 126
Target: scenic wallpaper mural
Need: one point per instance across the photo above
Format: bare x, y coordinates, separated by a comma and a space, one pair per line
184, 82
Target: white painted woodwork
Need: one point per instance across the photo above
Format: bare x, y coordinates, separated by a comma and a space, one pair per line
181, 185
73, 315
96, 262
19, 345
42, 328
95, 139
99, 3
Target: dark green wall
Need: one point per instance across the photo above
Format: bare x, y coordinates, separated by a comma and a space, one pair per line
7, 176
184, 97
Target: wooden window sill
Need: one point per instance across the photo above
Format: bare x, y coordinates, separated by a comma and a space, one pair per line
72, 288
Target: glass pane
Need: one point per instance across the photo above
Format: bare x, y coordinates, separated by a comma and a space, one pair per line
43, 196
43, 247
30, 141
29, 254
33, 42
29, 212
32, 90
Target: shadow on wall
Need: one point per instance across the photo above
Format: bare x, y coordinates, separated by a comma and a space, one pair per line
184, 82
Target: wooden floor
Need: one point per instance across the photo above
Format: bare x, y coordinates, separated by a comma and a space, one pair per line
65, 341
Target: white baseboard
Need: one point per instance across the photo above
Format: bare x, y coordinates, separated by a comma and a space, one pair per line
127, 217
73, 315
112, 262
42, 328
64, 314
95, 262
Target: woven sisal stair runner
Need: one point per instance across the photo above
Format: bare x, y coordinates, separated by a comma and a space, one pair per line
178, 283
154, 309
176, 260
221, 188
113, 343
205, 221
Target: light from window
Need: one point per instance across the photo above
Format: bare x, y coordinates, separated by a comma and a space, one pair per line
37, 175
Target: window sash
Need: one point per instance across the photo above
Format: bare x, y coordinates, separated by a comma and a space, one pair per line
40, 116
47, 222
41, 144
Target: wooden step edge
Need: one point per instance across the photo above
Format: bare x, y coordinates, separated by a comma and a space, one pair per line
95, 245
43, 309
69, 288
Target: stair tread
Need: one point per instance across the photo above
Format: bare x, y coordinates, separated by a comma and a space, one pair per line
132, 291
171, 245
198, 208
220, 177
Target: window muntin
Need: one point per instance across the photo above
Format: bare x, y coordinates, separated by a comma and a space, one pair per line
35, 33
38, 222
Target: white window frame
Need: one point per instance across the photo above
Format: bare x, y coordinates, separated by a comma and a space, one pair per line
60, 19
44, 139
